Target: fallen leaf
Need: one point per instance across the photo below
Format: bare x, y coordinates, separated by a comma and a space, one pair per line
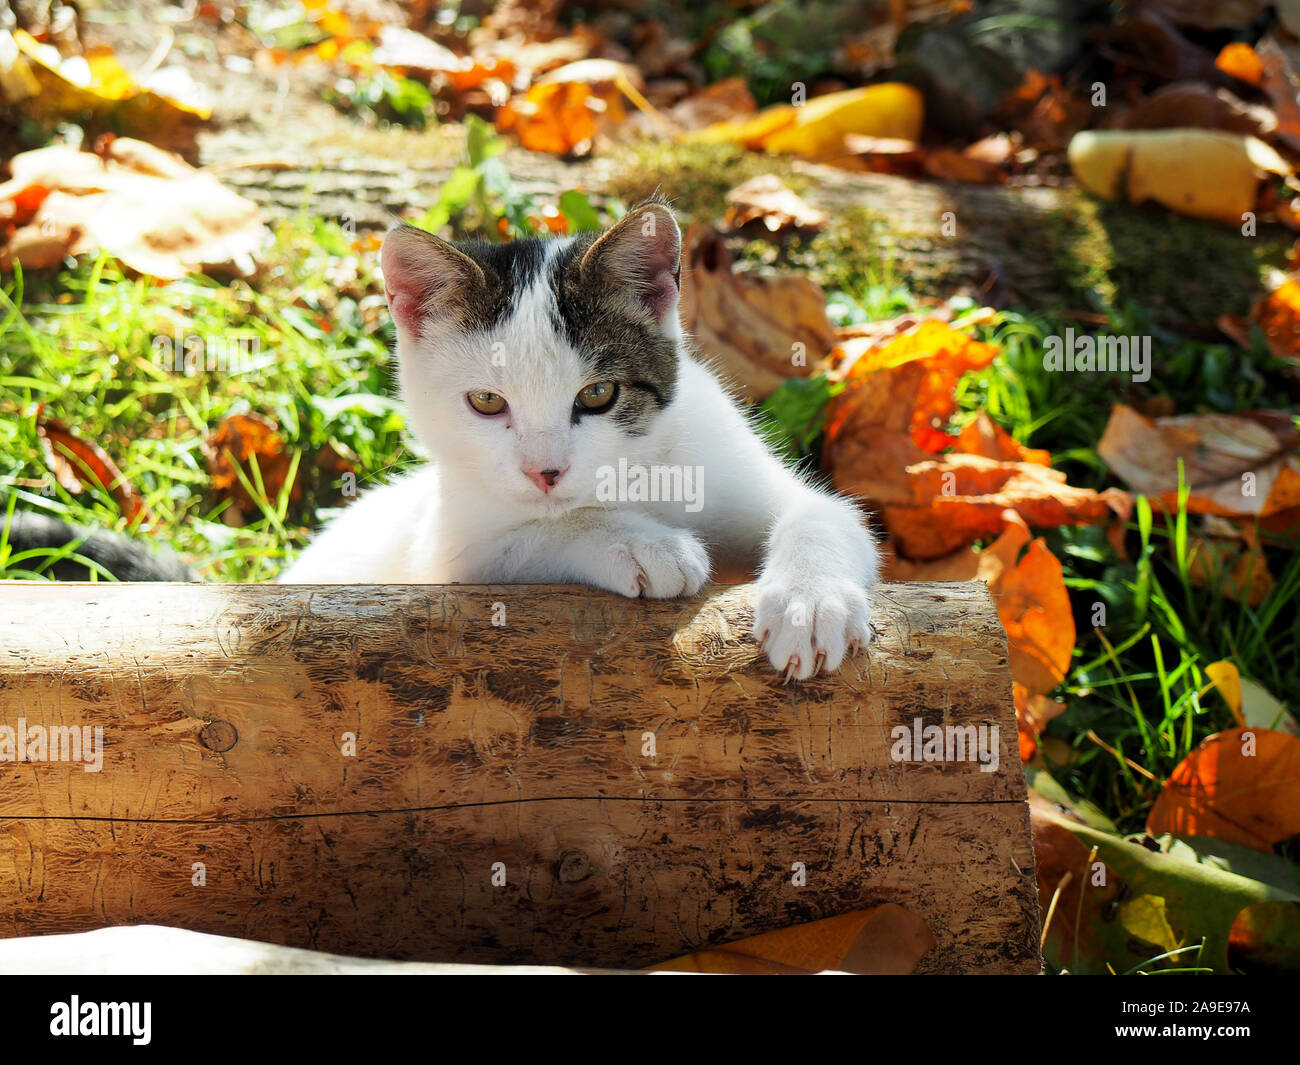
750, 132
1043, 112
1113, 911
1250, 702
885, 940
1241, 785
767, 200
817, 129
1234, 464
728, 100
906, 381
1239, 60
1027, 583
946, 164
1281, 84
70, 459
1195, 104
885, 155
1239, 570
1201, 173
235, 444
1277, 313
983, 436
148, 208
760, 328
47, 89
561, 117
889, 109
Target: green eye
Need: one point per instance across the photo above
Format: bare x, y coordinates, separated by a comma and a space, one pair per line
487, 402
599, 396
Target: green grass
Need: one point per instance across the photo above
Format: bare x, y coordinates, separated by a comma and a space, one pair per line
82, 344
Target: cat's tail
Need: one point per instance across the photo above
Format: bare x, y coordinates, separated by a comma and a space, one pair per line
119, 555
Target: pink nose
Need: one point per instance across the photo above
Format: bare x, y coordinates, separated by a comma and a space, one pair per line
545, 479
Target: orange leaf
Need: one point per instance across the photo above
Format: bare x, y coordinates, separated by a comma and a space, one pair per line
560, 117
916, 371
1239, 60
885, 940
1241, 785
69, 458
236, 442
984, 436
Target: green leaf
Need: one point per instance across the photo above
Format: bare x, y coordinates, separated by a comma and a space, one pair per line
578, 211
795, 414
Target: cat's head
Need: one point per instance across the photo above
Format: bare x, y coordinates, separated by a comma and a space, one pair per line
531, 365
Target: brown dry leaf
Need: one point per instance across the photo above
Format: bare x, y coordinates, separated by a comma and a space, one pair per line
728, 100
1235, 464
884, 155
767, 200
1195, 104
1241, 785
947, 164
1281, 84
237, 441
70, 459
148, 208
885, 940
761, 329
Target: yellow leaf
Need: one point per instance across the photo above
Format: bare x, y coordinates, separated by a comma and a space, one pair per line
751, 132
820, 125
1198, 172
1145, 918
1225, 677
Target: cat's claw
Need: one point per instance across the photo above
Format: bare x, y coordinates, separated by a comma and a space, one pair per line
673, 565
809, 628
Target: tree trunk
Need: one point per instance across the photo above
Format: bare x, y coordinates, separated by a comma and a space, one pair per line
504, 774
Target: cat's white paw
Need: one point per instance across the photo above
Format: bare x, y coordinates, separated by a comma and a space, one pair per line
809, 628
658, 567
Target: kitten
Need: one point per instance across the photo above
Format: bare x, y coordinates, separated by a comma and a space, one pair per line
574, 438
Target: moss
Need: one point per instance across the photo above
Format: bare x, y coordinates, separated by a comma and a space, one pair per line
1184, 269
694, 177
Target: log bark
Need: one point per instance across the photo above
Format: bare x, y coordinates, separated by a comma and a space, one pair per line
634, 773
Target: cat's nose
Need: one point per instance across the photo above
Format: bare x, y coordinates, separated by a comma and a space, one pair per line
545, 479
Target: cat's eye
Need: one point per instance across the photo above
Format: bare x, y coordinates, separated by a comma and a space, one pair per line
487, 402
598, 397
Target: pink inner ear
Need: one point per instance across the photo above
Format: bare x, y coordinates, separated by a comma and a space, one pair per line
409, 280
661, 293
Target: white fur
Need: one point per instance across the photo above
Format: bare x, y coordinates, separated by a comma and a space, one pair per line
472, 516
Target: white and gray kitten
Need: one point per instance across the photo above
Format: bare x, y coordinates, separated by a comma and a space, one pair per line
534, 369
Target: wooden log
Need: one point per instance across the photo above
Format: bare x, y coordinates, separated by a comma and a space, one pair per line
506, 774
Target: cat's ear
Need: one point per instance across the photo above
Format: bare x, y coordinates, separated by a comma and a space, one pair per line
642, 255
426, 279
